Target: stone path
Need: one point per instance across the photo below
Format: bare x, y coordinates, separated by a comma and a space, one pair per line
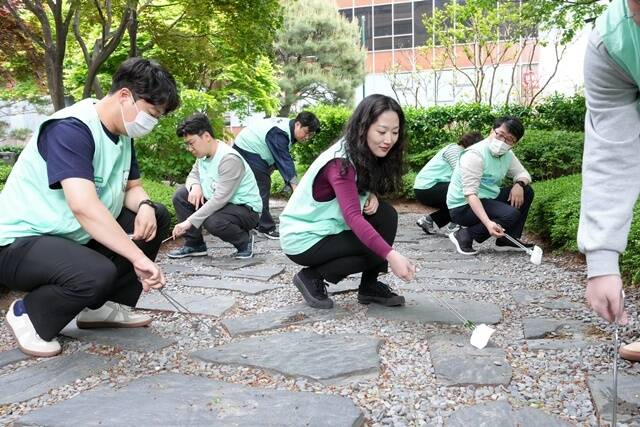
254, 354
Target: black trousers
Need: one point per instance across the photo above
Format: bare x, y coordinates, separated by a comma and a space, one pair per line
339, 255
436, 197
499, 210
231, 223
63, 277
262, 171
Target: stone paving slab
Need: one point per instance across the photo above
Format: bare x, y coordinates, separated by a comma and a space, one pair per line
455, 275
231, 263
601, 387
12, 356
440, 255
456, 362
545, 299
198, 304
180, 400
425, 309
302, 354
251, 288
459, 266
175, 268
501, 414
260, 273
343, 287
556, 334
32, 381
437, 286
280, 318
134, 339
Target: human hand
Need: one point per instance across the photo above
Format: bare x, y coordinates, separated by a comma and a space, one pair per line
196, 198
516, 196
145, 225
604, 295
371, 205
149, 274
495, 229
181, 228
401, 266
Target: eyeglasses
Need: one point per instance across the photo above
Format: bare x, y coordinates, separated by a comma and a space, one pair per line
504, 137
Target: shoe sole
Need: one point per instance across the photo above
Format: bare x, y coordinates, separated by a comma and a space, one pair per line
387, 302
313, 302
193, 254
457, 245
253, 243
268, 236
633, 356
32, 352
243, 256
112, 325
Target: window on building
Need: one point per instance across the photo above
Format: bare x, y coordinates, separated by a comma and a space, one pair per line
383, 43
382, 21
402, 42
365, 12
347, 13
420, 8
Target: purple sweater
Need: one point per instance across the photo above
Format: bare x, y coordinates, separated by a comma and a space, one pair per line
329, 184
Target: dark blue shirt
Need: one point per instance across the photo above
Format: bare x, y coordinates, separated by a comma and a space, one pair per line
67, 146
278, 142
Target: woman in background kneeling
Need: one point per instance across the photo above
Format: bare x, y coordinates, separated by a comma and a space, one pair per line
335, 225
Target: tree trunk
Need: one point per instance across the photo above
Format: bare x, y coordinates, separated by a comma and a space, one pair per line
284, 110
133, 34
54, 79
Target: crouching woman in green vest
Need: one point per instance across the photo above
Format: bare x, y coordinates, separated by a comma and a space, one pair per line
335, 225
220, 194
77, 230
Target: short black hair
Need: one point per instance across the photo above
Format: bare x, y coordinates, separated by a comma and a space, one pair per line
195, 124
147, 80
470, 138
513, 125
308, 119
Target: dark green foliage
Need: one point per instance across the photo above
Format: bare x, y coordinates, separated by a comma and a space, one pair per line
161, 193
12, 148
4, 174
550, 153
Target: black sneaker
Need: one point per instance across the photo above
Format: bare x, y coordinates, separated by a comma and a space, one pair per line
247, 251
188, 251
464, 244
379, 293
504, 245
271, 235
427, 224
313, 289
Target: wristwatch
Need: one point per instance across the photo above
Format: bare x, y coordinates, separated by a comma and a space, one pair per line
521, 184
147, 202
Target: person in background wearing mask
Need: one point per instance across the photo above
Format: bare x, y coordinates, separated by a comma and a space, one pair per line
477, 201
611, 163
220, 194
78, 232
432, 183
266, 145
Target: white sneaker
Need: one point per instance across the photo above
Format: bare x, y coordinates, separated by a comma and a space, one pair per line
111, 315
28, 339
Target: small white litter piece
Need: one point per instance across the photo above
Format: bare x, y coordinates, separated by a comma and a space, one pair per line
480, 336
535, 253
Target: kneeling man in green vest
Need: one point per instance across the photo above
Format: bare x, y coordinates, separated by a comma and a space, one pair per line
220, 194
475, 199
266, 145
78, 232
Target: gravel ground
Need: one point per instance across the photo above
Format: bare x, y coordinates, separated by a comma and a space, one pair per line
406, 391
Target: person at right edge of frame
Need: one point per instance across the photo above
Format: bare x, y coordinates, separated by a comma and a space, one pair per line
266, 145
611, 162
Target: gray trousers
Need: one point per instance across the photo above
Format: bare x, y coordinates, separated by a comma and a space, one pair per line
611, 162
231, 223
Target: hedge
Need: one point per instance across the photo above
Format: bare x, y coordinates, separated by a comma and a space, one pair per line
4, 174
555, 214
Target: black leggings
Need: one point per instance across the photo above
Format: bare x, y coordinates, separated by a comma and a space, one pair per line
63, 277
436, 197
339, 255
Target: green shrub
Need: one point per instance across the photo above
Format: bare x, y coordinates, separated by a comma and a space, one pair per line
4, 174
12, 148
561, 112
161, 193
550, 154
161, 154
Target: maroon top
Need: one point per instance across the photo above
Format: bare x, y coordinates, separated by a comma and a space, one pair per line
329, 184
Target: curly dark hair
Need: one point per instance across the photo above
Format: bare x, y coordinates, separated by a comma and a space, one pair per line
376, 174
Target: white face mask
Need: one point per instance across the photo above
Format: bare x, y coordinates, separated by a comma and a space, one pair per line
141, 126
497, 147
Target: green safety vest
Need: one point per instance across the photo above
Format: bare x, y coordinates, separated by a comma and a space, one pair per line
493, 172
247, 192
435, 171
253, 138
305, 221
621, 36
28, 207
